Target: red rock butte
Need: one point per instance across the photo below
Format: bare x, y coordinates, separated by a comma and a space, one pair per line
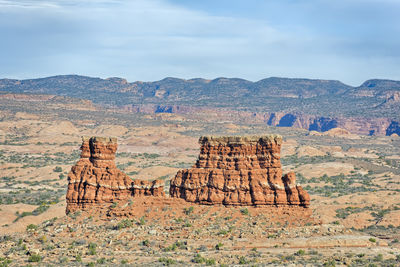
239, 171
95, 179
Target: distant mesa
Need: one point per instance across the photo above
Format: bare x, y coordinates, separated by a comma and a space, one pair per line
240, 171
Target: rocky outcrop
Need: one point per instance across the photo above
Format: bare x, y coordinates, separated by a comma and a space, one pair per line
239, 171
95, 179
355, 125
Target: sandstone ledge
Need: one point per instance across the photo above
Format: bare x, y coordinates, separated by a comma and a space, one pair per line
240, 140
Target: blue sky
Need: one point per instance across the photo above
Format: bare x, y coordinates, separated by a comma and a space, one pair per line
347, 40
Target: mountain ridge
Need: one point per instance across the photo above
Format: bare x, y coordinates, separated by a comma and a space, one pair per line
375, 98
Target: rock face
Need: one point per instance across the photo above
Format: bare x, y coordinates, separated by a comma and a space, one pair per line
239, 171
95, 179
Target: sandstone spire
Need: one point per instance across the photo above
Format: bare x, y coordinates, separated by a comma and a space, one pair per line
95, 179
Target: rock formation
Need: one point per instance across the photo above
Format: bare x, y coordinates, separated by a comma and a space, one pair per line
95, 179
239, 171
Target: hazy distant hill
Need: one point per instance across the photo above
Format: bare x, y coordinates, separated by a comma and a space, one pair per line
306, 96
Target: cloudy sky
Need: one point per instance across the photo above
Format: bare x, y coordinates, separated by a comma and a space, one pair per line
347, 40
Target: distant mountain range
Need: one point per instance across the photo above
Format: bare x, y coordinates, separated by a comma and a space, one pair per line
297, 97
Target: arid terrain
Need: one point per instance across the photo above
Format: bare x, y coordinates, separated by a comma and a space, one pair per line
353, 181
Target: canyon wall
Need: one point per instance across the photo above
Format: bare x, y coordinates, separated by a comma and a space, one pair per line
239, 171
355, 125
95, 179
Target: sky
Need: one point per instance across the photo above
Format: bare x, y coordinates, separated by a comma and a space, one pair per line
147, 40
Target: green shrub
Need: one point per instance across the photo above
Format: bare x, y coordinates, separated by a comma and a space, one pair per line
329, 263
379, 257
198, 259
188, 211
243, 260
57, 169
35, 258
210, 262
4, 262
166, 261
92, 248
126, 223
300, 252
219, 246
142, 221
101, 261
373, 240
223, 232
244, 211
31, 227
42, 239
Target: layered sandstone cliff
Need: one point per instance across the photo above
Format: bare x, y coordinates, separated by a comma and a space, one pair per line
239, 171
95, 179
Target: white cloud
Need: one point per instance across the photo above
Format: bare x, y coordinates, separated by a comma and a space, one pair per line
151, 39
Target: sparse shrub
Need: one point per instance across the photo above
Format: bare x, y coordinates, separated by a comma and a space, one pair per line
219, 246
223, 232
243, 260
75, 215
300, 252
4, 262
188, 211
92, 248
57, 169
179, 220
43, 239
31, 227
142, 221
126, 223
35, 258
379, 257
373, 240
91, 264
166, 261
114, 205
101, 261
5, 238
289, 258
78, 258
48, 247
244, 211
329, 263
174, 246
198, 259
146, 243
124, 261
210, 262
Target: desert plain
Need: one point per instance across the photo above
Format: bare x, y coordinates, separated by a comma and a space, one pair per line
353, 181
